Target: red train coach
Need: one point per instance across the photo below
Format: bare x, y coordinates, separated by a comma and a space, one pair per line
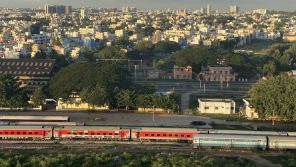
91, 132
163, 134
27, 132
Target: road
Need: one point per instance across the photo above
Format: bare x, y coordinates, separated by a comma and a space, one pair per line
124, 119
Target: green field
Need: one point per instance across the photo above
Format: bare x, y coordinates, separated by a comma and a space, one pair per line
284, 161
259, 47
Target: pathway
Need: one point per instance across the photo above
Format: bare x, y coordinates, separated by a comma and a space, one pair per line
185, 97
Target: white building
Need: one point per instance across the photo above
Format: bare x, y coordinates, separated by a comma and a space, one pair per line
248, 110
209, 10
234, 9
83, 13
216, 106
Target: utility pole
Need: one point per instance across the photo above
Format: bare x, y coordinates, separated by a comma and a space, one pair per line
204, 87
200, 85
221, 82
153, 115
135, 73
272, 119
227, 83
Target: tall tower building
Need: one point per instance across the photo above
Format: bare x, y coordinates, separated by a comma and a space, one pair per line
68, 9
203, 10
234, 9
46, 9
83, 13
209, 10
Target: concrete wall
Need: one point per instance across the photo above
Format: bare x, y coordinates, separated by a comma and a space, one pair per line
216, 107
16, 109
156, 110
76, 104
248, 111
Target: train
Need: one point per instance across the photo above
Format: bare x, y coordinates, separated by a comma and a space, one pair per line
244, 141
199, 138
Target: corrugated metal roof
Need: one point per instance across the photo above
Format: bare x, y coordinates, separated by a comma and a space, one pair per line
85, 128
238, 137
177, 130
4, 117
27, 67
281, 138
21, 128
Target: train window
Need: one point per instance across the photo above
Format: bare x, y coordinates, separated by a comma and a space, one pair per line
0, 133
152, 135
24, 133
146, 134
86, 133
104, 133
68, 133
92, 133
176, 135
98, 133
6, 133
188, 135
36, 133
18, 133
116, 133
30, 133
74, 133
80, 133
170, 135
158, 134
12, 133
182, 135
110, 133
164, 135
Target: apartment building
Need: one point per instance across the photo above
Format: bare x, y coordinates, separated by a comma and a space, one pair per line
182, 72
219, 73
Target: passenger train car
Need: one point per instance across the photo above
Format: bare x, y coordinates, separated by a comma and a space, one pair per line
27, 132
246, 132
163, 134
229, 141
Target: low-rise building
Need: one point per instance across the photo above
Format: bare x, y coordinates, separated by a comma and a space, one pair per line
182, 72
32, 73
216, 106
219, 73
248, 110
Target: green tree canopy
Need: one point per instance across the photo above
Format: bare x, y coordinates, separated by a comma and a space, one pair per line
166, 47
11, 95
145, 48
38, 96
277, 94
90, 76
112, 52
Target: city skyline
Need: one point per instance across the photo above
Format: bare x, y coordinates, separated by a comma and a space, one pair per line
191, 5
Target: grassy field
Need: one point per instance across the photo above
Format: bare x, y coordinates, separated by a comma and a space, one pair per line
260, 47
284, 161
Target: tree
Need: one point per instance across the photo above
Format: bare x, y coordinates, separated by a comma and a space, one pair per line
269, 68
38, 97
277, 96
146, 88
145, 48
166, 47
96, 96
11, 95
112, 52
125, 98
79, 76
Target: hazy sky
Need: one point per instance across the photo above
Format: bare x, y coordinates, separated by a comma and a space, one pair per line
221, 5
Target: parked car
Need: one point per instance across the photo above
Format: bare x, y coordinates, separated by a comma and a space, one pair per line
197, 123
